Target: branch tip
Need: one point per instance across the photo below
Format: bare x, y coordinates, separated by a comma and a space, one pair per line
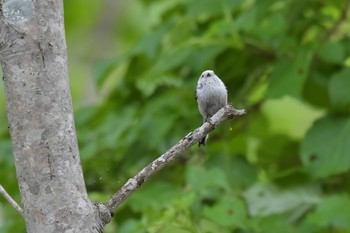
11, 201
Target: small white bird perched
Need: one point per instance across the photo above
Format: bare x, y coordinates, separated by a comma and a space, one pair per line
211, 95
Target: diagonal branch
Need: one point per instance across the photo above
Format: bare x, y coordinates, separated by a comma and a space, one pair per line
12, 202
227, 112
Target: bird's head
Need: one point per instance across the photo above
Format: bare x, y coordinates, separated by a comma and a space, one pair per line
207, 73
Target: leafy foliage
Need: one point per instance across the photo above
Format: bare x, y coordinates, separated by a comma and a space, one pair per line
282, 168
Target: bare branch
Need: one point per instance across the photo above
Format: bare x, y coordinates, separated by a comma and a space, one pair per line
227, 112
12, 202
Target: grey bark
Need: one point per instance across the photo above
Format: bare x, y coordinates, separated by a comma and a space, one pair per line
38, 101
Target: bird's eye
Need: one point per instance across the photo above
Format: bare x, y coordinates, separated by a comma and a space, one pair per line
208, 74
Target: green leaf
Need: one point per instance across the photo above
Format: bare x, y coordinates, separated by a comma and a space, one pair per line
339, 89
170, 59
151, 42
325, 150
273, 26
200, 178
333, 52
104, 69
172, 220
315, 90
155, 195
131, 226
289, 116
150, 82
289, 75
204, 56
275, 223
206, 225
332, 212
266, 199
229, 211
201, 12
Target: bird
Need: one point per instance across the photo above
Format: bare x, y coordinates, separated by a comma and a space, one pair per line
211, 96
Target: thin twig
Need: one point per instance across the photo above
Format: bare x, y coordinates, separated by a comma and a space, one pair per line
12, 202
342, 18
227, 112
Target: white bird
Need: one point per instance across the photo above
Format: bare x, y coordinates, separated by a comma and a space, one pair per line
211, 95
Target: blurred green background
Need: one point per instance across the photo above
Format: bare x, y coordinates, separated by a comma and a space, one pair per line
133, 68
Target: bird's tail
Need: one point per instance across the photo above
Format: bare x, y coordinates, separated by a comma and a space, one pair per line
203, 140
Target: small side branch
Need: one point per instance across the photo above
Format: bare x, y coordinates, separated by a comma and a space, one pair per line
227, 112
12, 202
342, 18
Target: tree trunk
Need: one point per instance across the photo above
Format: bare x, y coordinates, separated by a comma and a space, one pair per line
34, 62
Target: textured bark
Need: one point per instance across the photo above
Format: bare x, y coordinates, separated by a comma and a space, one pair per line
38, 101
